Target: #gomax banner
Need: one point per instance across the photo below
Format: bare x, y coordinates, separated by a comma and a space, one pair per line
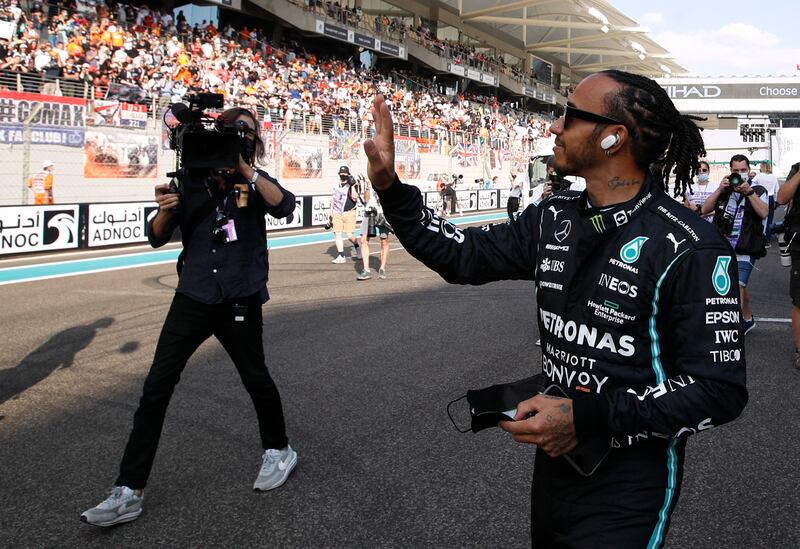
38, 228
119, 223
294, 219
53, 120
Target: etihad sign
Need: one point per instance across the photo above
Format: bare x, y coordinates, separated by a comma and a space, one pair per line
693, 92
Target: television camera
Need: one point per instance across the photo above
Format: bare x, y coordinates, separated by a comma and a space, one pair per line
205, 144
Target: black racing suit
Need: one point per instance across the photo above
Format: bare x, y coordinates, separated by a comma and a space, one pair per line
638, 312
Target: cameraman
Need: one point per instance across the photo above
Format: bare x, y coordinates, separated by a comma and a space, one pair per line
740, 213
788, 194
222, 286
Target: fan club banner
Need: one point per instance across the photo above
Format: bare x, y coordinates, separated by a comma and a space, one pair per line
53, 120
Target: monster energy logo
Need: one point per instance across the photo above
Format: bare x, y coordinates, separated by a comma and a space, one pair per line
597, 223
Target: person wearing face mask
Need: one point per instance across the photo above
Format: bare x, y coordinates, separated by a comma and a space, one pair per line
344, 198
222, 287
702, 189
740, 212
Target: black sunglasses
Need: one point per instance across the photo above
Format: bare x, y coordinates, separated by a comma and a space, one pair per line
574, 112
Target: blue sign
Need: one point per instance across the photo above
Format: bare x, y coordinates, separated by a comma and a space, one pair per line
42, 135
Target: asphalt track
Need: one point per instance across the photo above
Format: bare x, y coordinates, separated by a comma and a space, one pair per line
365, 370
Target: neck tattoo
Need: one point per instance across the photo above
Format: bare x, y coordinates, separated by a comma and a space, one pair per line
616, 182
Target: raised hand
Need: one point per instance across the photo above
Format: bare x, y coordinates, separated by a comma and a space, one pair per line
380, 149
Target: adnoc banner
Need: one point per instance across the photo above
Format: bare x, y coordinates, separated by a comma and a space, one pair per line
119, 223
294, 219
38, 228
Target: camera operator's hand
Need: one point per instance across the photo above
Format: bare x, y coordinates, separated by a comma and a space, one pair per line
168, 201
244, 168
724, 184
744, 189
547, 190
380, 149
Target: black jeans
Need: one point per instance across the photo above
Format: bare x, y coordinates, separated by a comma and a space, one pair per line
189, 323
512, 206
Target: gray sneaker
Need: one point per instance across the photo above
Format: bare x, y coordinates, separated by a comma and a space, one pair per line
276, 466
121, 506
382, 274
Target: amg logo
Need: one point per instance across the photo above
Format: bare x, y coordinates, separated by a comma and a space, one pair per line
617, 285
555, 248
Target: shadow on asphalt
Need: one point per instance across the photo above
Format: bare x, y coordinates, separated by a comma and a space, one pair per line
57, 352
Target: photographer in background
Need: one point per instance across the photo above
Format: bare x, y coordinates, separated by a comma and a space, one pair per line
344, 198
515, 197
221, 288
373, 224
788, 194
740, 213
555, 184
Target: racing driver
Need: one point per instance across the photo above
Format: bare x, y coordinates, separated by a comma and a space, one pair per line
638, 308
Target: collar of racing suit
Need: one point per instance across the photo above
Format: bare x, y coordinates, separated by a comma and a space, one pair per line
610, 218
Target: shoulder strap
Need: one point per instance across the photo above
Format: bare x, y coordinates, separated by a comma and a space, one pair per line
197, 217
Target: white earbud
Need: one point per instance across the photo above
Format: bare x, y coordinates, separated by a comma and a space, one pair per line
609, 141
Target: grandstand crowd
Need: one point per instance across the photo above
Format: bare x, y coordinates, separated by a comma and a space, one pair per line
88, 45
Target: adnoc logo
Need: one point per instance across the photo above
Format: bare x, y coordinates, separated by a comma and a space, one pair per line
720, 277
631, 251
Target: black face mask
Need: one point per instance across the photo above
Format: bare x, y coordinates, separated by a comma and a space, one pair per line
344, 178
491, 405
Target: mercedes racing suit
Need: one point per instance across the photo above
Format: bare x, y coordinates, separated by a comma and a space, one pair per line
638, 312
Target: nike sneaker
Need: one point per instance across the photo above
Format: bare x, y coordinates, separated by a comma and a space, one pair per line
121, 506
276, 466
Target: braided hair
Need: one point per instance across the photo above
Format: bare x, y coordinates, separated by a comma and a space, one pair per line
661, 135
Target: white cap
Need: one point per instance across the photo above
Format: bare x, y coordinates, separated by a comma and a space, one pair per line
47, 164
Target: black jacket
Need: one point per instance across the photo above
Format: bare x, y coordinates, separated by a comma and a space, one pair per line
638, 304
214, 272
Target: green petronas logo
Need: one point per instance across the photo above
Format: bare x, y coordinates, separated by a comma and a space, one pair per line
720, 277
631, 251
597, 223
